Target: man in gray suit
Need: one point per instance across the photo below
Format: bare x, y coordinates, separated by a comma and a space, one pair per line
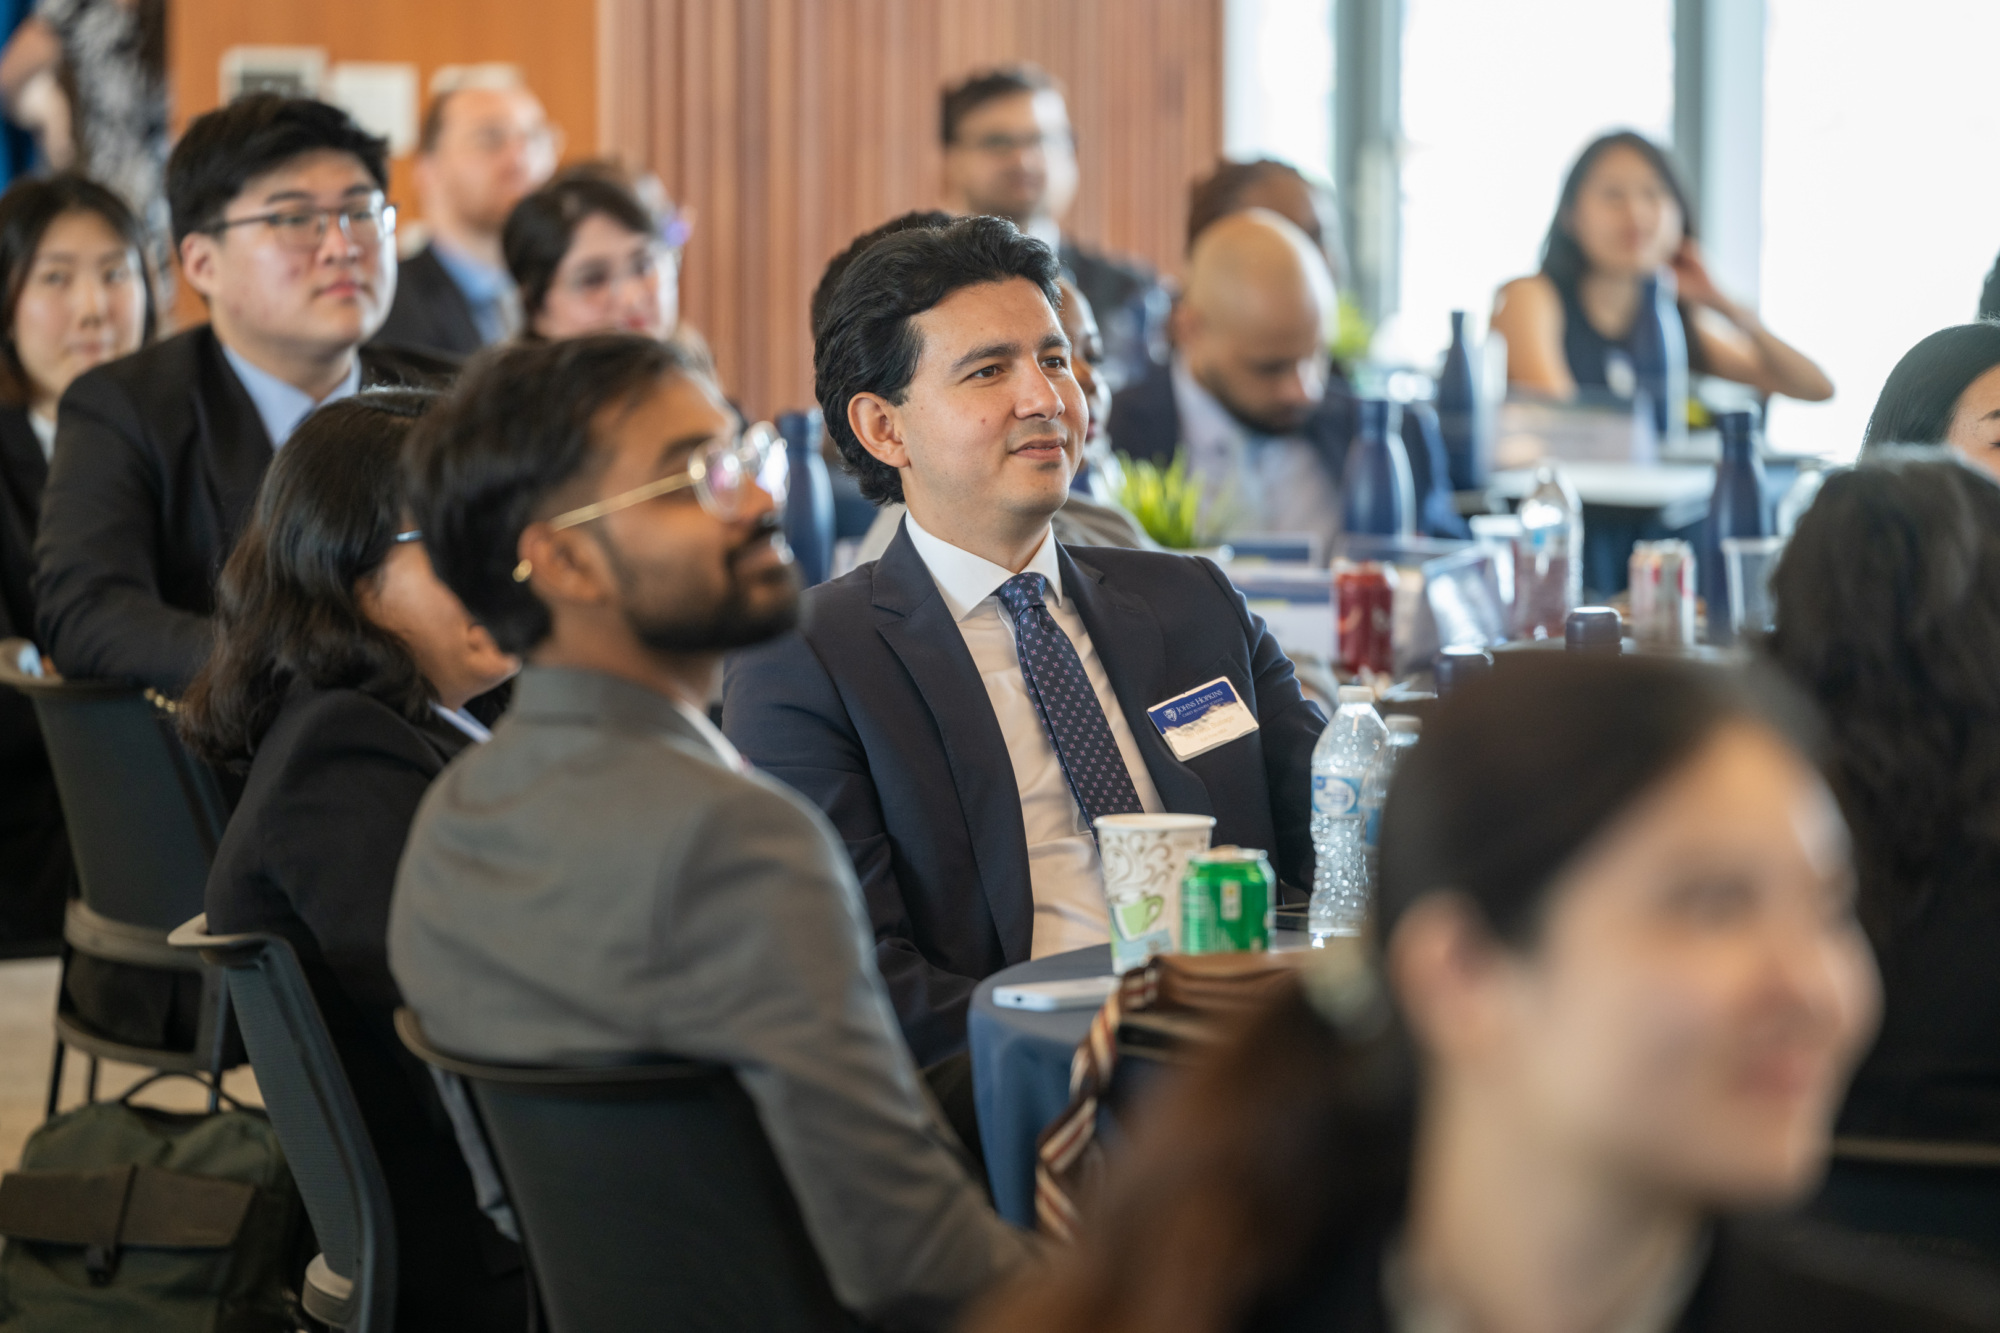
606, 876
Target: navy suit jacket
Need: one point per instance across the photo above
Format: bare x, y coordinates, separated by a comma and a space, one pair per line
1146, 423
875, 712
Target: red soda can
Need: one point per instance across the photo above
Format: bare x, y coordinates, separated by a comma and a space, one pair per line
1364, 601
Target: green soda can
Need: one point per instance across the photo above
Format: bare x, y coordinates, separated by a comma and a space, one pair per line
1226, 899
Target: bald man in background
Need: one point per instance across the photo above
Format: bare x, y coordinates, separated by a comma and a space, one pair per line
1253, 395
482, 149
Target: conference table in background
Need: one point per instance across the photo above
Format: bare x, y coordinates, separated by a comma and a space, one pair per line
1020, 1069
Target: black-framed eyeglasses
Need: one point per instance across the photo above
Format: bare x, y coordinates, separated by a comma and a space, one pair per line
367, 223
722, 474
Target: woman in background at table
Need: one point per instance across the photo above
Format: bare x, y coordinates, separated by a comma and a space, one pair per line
340, 680
73, 295
1945, 390
1594, 318
1625, 987
1888, 602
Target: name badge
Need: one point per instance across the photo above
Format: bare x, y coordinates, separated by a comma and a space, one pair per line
1203, 718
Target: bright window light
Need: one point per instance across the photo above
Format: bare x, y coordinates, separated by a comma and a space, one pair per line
1881, 207
1498, 99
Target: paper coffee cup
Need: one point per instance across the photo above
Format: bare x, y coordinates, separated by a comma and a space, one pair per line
1144, 857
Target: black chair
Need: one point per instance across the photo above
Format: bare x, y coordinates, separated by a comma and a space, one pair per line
809, 508
648, 1196
144, 820
1942, 1197
352, 1283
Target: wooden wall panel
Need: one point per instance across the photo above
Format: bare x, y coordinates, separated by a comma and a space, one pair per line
789, 126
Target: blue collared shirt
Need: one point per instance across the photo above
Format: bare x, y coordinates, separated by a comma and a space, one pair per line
487, 289
283, 406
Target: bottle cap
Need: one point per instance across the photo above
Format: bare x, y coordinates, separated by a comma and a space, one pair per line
1356, 694
1404, 722
1458, 666
1593, 629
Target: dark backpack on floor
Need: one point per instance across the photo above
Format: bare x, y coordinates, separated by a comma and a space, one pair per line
125, 1217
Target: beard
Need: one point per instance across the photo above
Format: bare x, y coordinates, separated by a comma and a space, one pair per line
1274, 422
738, 619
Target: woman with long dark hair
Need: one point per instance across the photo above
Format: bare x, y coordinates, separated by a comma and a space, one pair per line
73, 295
340, 678
1888, 612
1624, 987
1945, 390
1592, 318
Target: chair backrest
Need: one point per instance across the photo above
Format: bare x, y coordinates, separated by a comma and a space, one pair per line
307, 1096
1943, 1195
144, 815
809, 504
648, 1196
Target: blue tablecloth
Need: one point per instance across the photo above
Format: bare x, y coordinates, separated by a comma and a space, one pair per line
1020, 1068
1020, 1072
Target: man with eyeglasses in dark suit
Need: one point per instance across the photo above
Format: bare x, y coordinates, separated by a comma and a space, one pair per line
281, 224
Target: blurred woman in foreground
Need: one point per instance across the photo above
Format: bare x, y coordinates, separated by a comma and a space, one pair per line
339, 681
1625, 988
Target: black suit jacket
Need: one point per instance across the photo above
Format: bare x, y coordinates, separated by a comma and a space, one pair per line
158, 458
1130, 304
1762, 1277
311, 854
430, 312
1146, 423
34, 849
875, 712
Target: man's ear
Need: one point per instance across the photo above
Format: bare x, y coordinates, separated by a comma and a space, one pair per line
878, 424
199, 258
564, 566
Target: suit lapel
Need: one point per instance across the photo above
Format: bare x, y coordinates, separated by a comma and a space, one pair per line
919, 630
1129, 643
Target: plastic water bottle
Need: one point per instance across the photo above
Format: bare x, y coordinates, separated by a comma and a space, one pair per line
1340, 763
1403, 732
1548, 557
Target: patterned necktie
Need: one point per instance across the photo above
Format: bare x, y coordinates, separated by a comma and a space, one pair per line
1056, 681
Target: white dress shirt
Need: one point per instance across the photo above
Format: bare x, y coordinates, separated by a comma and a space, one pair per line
1064, 874
1257, 485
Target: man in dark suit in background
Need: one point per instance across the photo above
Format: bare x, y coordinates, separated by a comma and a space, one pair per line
963, 707
482, 149
1252, 396
282, 225
1009, 153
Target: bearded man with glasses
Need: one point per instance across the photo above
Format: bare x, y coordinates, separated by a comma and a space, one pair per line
281, 225
606, 879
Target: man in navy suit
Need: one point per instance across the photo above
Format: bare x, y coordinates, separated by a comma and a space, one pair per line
963, 707
1250, 394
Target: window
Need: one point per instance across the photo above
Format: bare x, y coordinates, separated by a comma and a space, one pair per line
1881, 209
1279, 83
1498, 99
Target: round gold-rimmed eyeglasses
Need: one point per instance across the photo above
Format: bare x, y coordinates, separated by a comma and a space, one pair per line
722, 474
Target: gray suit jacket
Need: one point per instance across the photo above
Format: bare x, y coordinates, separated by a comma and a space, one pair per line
597, 881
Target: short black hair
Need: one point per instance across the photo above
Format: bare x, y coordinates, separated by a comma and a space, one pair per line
931, 219
227, 148
27, 210
963, 98
1921, 394
515, 431
539, 230
865, 342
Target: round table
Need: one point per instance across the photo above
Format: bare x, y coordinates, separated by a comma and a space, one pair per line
1020, 1067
